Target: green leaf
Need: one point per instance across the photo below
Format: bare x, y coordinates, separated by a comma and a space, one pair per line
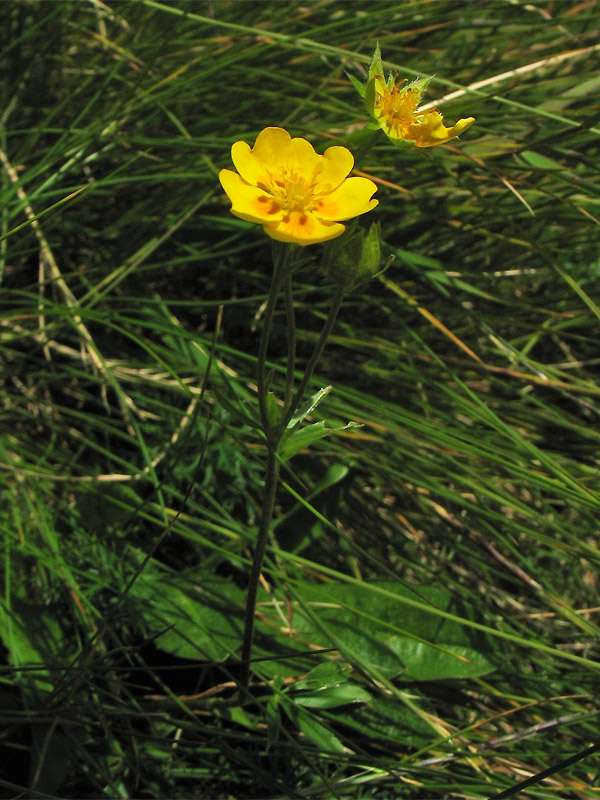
539, 161
324, 675
308, 407
333, 697
206, 626
426, 663
320, 735
328, 686
398, 640
384, 721
300, 526
273, 410
294, 441
32, 638
205, 622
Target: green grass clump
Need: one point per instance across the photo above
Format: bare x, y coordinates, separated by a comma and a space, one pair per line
428, 622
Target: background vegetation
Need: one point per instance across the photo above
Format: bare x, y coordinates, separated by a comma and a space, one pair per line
428, 625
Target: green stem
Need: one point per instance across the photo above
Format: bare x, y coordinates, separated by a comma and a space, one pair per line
320, 346
264, 343
271, 479
282, 271
291, 336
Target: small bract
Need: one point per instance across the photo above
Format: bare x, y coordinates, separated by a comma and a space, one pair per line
296, 194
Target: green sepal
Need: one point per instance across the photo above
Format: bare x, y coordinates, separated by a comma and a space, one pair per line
353, 257
370, 257
419, 84
375, 71
360, 87
342, 255
370, 98
376, 66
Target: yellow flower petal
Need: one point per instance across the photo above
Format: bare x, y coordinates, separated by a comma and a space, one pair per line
428, 129
350, 199
337, 164
272, 147
380, 85
302, 229
302, 158
249, 202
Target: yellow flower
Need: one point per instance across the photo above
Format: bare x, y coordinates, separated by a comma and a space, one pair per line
295, 194
396, 110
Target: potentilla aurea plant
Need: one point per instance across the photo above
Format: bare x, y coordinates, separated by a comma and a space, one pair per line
297, 195
300, 198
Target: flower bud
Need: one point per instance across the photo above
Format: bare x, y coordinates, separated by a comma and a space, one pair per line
353, 258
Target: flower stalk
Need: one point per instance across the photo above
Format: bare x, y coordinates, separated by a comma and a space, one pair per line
271, 481
301, 198
336, 304
291, 339
274, 434
282, 267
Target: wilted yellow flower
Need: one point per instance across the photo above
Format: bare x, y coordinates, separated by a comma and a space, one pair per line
295, 194
396, 110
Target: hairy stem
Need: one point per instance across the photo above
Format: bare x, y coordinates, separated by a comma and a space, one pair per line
273, 433
262, 350
319, 347
271, 479
282, 271
291, 337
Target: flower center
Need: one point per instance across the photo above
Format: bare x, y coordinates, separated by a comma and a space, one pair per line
396, 107
292, 189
